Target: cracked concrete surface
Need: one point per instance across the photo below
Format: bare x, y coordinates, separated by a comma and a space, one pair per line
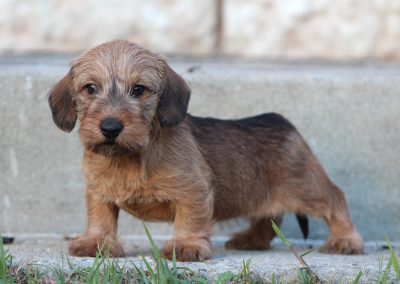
50, 253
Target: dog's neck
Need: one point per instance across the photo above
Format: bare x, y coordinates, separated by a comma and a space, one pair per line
162, 139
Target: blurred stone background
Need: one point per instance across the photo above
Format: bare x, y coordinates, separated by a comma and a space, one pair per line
274, 29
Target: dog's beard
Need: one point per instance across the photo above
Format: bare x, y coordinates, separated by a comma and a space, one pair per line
113, 148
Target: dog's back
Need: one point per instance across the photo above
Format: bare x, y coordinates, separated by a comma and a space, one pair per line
251, 157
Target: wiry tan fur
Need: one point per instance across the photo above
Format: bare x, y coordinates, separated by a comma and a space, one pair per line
169, 166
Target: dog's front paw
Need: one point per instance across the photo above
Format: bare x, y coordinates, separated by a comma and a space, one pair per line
351, 244
90, 245
195, 250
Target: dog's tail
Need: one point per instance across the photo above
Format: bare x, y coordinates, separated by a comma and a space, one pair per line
303, 224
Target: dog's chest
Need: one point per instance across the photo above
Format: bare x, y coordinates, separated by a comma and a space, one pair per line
149, 209
121, 182
135, 195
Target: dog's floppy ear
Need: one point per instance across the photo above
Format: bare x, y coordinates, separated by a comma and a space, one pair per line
61, 104
174, 99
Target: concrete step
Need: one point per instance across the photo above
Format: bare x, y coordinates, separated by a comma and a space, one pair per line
49, 255
349, 114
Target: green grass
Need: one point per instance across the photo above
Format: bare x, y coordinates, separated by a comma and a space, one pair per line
11, 273
307, 276
105, 270
245, 276
5, 264
357, 279
156, 269
305, 273
163, 271
392, 262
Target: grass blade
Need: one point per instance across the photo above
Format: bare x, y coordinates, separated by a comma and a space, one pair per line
304, 277
94, 275
380, 259
174, 261
393, 258
386, 272
273, 281
355, 281
3, 263
307, 252
143, 276
154, 249
117, 274
308, 273
149, 269
280, 234
225, 277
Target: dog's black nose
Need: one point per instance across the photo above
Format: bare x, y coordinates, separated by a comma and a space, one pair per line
111, 128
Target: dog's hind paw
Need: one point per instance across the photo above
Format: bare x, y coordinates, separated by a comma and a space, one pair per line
351, 244
247, 242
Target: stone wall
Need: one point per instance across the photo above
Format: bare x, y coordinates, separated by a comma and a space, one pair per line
348, 114
290, 29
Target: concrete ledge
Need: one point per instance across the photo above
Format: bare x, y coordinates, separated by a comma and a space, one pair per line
50, 254
348, 114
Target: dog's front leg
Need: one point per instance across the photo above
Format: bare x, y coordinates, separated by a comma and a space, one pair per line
193, 227
101, 229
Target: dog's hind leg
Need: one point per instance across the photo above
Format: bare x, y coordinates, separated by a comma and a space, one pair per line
257, 237
328, 202
307, 190
343, 238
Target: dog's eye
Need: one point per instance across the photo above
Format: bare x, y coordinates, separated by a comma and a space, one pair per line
91, 89
137, 90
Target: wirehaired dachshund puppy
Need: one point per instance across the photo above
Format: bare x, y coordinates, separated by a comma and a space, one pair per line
144, 154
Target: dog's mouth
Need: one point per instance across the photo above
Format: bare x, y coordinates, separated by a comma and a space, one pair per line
110, 148
110, 142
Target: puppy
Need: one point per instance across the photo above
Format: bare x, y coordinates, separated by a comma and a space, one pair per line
144, 154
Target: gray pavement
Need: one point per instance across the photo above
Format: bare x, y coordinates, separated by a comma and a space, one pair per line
49, 254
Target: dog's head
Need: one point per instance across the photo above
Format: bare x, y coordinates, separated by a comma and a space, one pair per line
120, 93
